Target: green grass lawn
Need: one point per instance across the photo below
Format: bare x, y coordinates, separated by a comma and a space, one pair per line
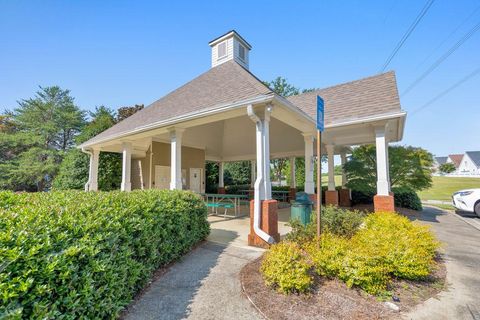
443, 187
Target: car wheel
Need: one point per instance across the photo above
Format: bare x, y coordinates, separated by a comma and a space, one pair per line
477, 208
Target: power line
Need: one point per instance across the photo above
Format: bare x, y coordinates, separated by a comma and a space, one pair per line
443, 58
407, 34
449, 36
445, 92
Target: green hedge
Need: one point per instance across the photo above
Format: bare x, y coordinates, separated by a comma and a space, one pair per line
74, 255
404, 198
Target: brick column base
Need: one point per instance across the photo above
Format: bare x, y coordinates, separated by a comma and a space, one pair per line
384, 203
268, 223
331, 197
292, 193
221, 190
344, 198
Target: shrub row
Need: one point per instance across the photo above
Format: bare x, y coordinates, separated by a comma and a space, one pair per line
404, 198
388, 245
74, 255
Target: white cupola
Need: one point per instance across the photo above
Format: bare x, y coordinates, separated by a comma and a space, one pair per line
230, 46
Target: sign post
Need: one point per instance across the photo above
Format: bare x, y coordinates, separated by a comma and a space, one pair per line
320, 128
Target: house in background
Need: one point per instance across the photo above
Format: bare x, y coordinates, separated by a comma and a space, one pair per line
456, 159
470, 164
467, 164
438, 161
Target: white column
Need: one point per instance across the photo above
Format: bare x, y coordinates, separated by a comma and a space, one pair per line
252, 173
220, 175
309, 184
292, 173
383, 183
331, 167
176, 158
266, 153
343, 157
126, 166
92, 183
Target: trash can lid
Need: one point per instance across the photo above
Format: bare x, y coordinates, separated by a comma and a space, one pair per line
303, 197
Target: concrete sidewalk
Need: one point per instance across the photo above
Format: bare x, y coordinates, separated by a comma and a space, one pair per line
462, 258
204, 285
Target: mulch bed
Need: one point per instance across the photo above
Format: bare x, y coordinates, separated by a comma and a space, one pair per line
332, 299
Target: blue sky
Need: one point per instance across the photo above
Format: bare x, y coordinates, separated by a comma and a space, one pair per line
118, 53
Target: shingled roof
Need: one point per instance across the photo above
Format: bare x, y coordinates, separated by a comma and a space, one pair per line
225, 84
441, 160
475, 156
456, 159
376, 95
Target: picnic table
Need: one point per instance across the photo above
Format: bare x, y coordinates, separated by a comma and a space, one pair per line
224, 201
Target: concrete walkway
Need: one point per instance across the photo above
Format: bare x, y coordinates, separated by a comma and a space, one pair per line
462, 257
204, 285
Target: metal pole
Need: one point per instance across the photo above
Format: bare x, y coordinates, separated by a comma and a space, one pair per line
319, 183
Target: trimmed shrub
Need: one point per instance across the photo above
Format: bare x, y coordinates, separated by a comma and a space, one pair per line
404, 198
286, 269
388, 246
407, 198
338, 221
84, 255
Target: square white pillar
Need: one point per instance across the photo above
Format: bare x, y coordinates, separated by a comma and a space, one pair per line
266, 153
343, 158
220, 175
309, 184
331, 167
293, 183
383, 183
126, 184
92, 183
176, 158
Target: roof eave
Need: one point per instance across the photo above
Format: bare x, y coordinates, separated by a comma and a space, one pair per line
182, 118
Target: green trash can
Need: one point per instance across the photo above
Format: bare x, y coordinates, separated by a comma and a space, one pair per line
301, 209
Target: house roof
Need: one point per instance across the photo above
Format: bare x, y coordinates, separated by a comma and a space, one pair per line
225, 84
475, 156
441, 160
456, 159
364, 98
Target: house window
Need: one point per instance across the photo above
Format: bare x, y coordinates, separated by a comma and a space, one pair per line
241, 52
222, 50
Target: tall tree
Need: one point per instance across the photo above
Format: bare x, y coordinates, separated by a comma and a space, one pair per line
409, 167
37, 134
125, 112
73, 172
282, 87
52, 115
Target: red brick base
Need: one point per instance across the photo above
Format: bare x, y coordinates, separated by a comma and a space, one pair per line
292, 194
331, 197
268, 223
383, 203
221, 190
344, 198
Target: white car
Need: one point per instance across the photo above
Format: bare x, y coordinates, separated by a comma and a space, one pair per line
467, 200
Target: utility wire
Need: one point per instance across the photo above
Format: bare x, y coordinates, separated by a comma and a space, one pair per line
407, 34
445, 92
449, 36
440, 60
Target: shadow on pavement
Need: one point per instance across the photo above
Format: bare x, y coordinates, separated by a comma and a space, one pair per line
170, 296
429, 214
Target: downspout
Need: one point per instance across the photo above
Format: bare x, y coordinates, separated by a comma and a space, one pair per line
84, 150
260, 179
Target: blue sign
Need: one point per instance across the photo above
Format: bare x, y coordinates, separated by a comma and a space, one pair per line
320, 114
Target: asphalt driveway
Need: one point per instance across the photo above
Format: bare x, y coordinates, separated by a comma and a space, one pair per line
462, 258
